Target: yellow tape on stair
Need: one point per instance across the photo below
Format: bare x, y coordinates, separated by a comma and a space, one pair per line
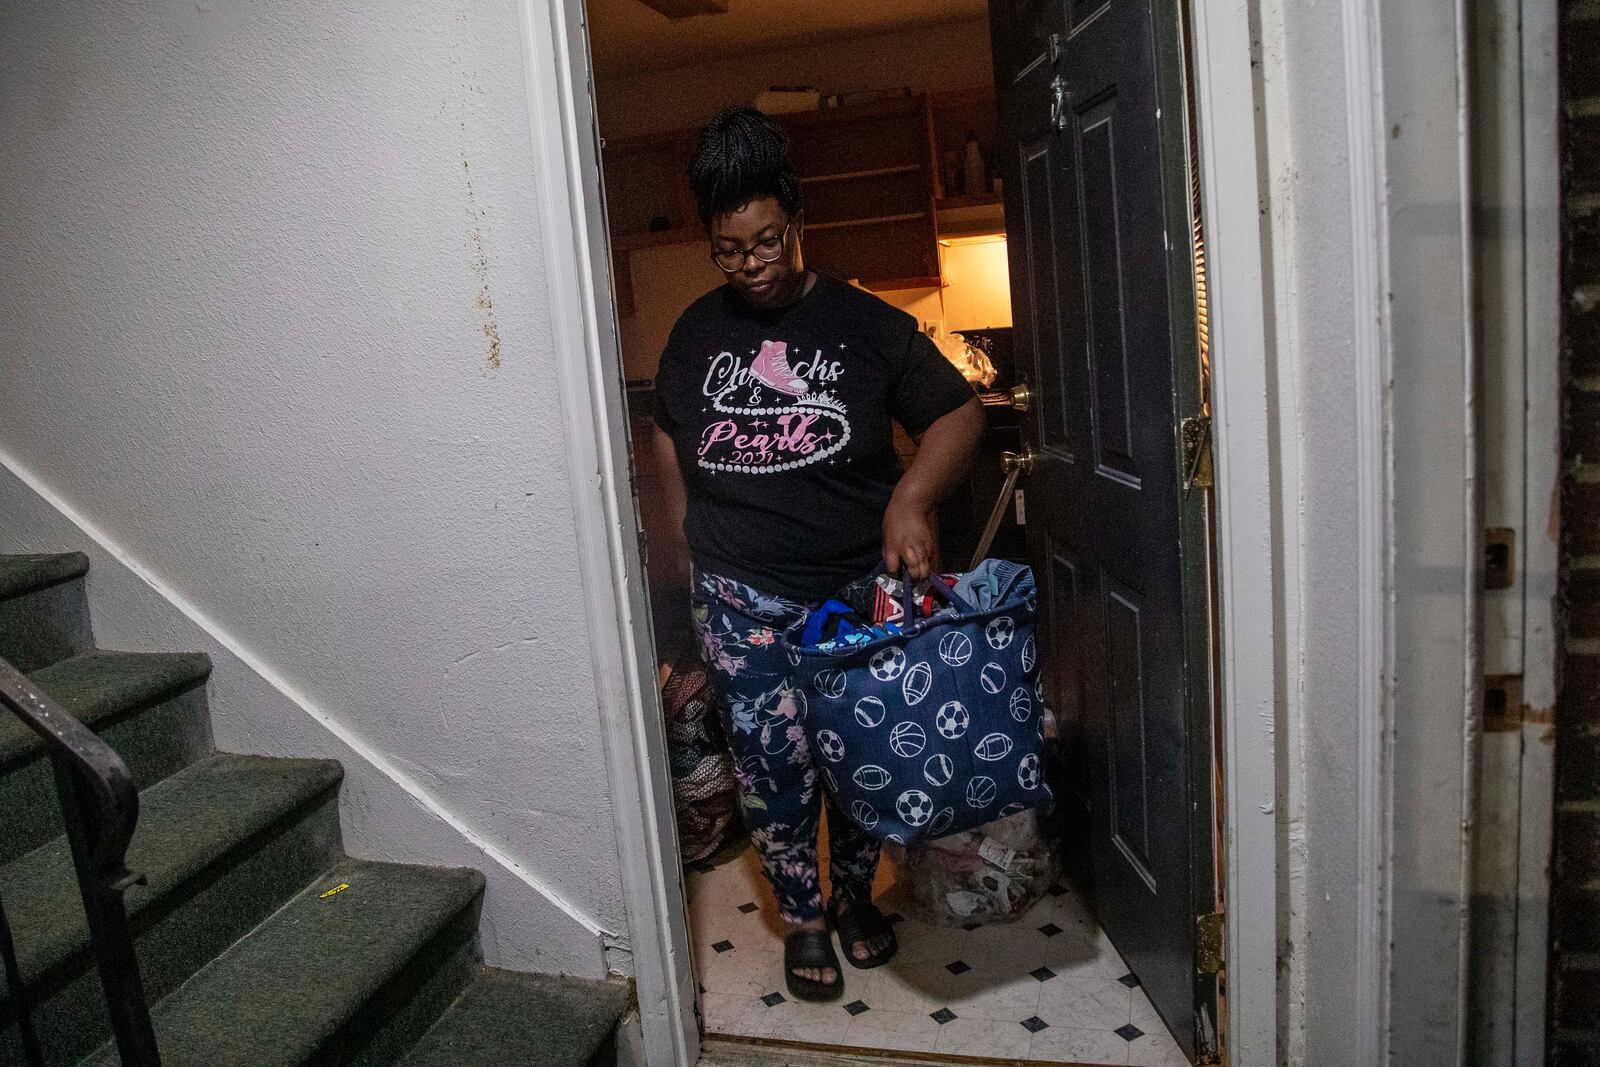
340, 888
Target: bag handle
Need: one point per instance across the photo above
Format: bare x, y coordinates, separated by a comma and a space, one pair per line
908, 600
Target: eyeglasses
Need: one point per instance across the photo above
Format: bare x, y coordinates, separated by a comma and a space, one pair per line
768, 251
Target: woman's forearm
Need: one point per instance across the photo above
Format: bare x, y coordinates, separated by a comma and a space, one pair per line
943, 454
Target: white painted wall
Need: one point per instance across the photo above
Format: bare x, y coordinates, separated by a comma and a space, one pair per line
274, 328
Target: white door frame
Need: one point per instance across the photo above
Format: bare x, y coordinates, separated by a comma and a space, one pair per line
582, 307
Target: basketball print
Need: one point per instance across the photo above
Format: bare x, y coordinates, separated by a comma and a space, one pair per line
907, 740
870, 711
918, 680
981, 792
830, 683
1021, 704
955, 648
992, 678
1000, 631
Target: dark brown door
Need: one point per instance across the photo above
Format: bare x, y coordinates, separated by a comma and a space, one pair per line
1093, 117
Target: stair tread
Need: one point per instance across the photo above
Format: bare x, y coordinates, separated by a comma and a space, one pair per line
187, 823
282, 991
26, 573
96, 686
506, 1017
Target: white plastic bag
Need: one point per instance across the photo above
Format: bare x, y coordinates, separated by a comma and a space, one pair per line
991, 874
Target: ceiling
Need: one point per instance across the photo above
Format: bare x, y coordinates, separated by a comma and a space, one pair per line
627, 36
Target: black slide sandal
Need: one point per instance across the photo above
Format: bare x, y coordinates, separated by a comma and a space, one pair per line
862, 921
805, 949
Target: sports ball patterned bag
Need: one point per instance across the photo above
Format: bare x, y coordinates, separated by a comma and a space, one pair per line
936, 729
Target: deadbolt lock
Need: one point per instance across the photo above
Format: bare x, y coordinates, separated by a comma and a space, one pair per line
1017, 462
1021, 397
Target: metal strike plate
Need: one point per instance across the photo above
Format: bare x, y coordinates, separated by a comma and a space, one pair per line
1499, 557
1195, 435
1208, 943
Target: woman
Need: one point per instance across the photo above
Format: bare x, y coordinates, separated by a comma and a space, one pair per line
776, 394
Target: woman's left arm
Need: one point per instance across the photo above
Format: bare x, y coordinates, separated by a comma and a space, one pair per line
943, 453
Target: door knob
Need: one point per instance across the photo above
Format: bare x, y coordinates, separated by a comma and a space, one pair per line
1021, 397
1017, 462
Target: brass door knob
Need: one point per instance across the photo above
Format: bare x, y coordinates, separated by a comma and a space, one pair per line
1017, 462
1021, 397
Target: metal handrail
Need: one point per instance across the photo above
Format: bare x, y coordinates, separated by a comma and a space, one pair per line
100, 806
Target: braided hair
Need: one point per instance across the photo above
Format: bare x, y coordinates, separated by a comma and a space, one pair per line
743, 154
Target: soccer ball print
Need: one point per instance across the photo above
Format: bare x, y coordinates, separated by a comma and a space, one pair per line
952, 720
914, 807
1028, 772
1000, 632
887, 663
831, 745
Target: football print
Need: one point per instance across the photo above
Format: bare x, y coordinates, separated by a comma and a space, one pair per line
831, 745
942, 821
1000, 631
939, 769
993, 678
981, 792
830, 683
870, 776
919, 679
993, 747
907, 740
1011, 809
864, 814
914, 807
952, 720
955, 648
1029, 652
870, 711
887, 663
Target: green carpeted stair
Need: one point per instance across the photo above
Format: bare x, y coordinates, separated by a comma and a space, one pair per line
259, 941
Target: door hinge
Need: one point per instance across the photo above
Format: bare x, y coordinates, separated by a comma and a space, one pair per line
1208, 943
1195, 435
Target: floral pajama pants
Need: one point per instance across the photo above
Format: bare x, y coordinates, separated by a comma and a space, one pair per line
763, 717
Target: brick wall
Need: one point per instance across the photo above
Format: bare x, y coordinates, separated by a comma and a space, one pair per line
1574, 1001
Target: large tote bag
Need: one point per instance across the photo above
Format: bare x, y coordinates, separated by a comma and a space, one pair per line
934, 730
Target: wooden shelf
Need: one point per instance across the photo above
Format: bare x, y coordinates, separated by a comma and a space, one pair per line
881, 285
855, 175
874, 220
950, 203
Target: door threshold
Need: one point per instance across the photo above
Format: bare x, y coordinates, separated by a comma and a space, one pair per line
720, 1051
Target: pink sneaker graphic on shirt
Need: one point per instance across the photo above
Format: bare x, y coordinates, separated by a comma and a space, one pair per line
771, 367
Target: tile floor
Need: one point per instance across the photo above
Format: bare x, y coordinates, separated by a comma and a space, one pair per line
1049, 988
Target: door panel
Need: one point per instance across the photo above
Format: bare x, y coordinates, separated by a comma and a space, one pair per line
1104, 306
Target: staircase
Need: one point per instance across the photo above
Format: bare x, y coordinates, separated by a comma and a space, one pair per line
260, 942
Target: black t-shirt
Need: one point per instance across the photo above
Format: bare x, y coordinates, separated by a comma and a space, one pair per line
781, 421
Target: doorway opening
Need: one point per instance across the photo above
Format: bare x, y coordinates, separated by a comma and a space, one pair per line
1001, 174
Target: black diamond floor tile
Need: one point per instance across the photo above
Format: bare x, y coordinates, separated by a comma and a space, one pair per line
1043, 974
969, 927
1058, 890
772, 999
1129, 980
856, 1007
1129, 1032
894, 917
1034, 1024
942, 1016
722, 946
1049, 929
957, 967
748, 908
